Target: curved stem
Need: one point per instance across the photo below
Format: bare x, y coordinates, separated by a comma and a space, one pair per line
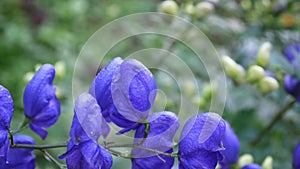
24, 125
46, 153
39, 147
278, 117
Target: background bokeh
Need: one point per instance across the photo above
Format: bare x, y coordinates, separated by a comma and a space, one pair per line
35, 32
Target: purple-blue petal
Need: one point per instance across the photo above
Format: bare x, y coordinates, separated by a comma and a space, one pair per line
163, 127
296, 157
20, 158
232, 146
292, 86
201, 141
87, 155
102, 86
252, 166
40, 102
133, 93
6, 108
291, 52
89, 115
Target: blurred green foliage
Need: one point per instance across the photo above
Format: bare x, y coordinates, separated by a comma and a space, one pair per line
43, 31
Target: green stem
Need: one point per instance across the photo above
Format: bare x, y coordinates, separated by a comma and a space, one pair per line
39, 147
57, 163
24, 125
278, 117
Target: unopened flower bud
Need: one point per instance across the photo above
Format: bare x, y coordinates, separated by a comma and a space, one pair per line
255, 73
169, 7
267, 163
189, 8
263, 55
203, 8
208, 91
230, 67
241, 77
245, 160
60, 69
189, 88
267, 85
27, 77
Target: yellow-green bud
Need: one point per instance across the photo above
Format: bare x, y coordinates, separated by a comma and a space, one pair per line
203, 8
27, 77
255, 73
208, 91
59, 93
169, 7
267, 85
263, 55
241, 77
230, 67
267, 163
189, 88
199, 101
245, 160
189, 8
60, 69
37, 67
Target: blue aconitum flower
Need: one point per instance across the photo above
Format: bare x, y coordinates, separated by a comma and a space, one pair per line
292, 86
6, 112
291, 51
163, 127
296, 157
201, 142
252, 166
20, 158
83, 149
232, 147
125, 90
41, 105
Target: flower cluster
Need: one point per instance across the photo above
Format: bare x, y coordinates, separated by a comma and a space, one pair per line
41, 108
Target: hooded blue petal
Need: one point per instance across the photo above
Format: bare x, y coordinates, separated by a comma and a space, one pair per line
133, 92
6, 112
201, 141
252, 166
20, 158
291, 51
40, 102
101, 87
296, 157
163, 127
232, 146
292, 86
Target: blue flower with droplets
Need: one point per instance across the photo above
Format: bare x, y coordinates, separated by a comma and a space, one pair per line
162, 129
20, 158
232, 147
125, 91
87, 126
201, 142
6, 113
41, 105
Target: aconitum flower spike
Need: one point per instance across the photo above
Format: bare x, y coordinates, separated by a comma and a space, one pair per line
252, 166
101, 87
41, 105
201, 141
163, 127
6, 113
296, 157
133, 93
20, 158
232, 146
292, 86
87, 126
